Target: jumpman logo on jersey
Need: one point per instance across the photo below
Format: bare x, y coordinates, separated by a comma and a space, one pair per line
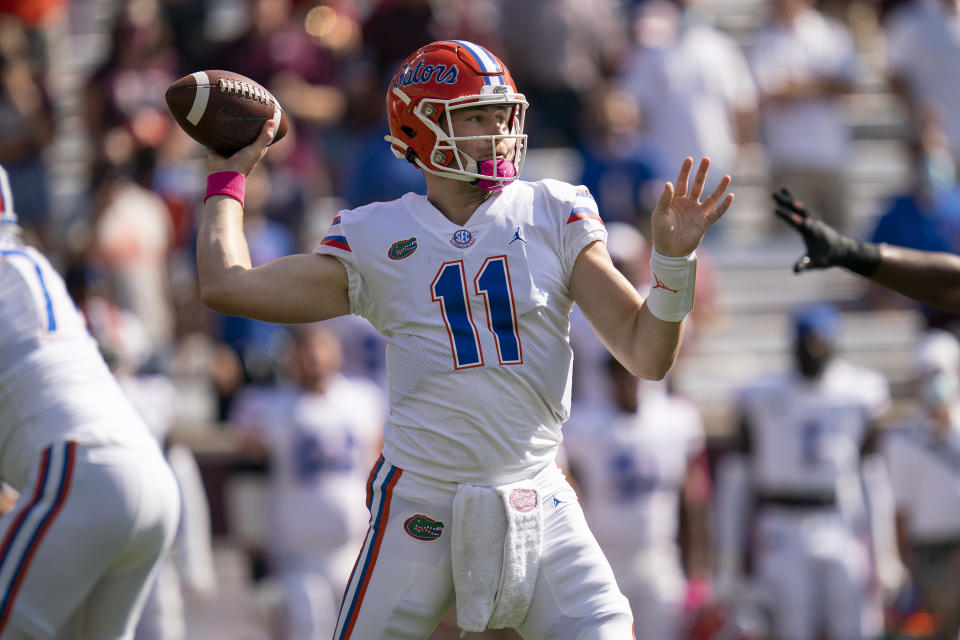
660, 285
517, 236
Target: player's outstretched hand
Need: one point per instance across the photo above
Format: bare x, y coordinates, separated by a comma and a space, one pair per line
680, 219
244, 160
826, 247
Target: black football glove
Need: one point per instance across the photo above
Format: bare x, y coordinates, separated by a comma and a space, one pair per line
826, 247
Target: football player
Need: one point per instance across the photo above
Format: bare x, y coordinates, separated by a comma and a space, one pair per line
640, 465
805, 456
98, 505
923, 457
321, 432
472, 287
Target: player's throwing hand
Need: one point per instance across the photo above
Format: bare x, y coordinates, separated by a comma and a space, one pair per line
680, 219
244, 160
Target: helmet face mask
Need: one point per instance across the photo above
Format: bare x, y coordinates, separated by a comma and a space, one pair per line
427, 90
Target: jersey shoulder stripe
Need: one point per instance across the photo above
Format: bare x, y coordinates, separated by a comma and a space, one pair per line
339, 242
583, 213
51, 318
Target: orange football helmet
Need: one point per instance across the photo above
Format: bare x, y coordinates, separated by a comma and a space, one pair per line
433, 82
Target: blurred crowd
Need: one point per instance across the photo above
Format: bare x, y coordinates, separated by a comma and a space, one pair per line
109, 187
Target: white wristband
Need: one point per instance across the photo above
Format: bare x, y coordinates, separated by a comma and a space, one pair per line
672, 282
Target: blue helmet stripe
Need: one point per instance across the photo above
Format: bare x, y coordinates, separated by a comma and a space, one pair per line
485, 60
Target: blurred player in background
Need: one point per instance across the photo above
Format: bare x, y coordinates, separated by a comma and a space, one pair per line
930, 277
322, 433
637, 464
923, 458
98, 505
803, 457
472, 286
127, 349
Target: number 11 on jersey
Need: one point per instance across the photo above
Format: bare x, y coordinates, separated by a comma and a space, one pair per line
449, 288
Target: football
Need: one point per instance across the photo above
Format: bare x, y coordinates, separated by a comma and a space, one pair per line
223, 110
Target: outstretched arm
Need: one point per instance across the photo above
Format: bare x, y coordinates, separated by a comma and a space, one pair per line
633, 329
932, 278
297, 288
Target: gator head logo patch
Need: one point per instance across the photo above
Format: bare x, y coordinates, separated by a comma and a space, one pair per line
423, 528
402, 248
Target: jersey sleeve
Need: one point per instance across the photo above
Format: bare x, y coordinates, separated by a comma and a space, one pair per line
582, 226
893, 447
876, 394
337, 244
695, 436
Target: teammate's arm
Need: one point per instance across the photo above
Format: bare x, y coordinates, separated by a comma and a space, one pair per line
621, 318
932, 278
297, 288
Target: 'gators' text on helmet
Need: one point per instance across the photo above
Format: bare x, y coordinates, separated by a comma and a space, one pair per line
433, 82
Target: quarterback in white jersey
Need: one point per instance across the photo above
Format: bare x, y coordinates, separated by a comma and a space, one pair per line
322, 432
805, 438
636, 462
98, 504
471, 286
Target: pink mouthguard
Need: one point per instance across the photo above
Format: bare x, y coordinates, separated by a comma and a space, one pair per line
502, 169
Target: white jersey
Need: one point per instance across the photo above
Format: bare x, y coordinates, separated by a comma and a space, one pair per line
53, 382
806, 437
321, 449
631, 468
477, 324
925, 475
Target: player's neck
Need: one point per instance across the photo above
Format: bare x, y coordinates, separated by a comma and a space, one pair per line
456, 200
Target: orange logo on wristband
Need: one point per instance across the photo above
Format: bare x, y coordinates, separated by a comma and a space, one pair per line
660, 285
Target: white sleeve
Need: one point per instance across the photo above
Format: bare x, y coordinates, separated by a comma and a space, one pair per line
337, 244
582, 226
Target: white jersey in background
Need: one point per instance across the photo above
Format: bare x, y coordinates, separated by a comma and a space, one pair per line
814, 541
476, 319
53, 382
805, 437
630, 469
925, 474
98, 505
321, 448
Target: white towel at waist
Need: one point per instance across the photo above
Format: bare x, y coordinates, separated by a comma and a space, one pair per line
495, 547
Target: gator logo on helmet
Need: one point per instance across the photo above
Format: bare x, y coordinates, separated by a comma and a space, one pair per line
423, 73
423, 528
402, 248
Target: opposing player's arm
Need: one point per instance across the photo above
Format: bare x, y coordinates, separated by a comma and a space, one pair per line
930, 277
297, 288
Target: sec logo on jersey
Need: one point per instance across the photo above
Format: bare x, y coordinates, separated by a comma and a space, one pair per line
462, 239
